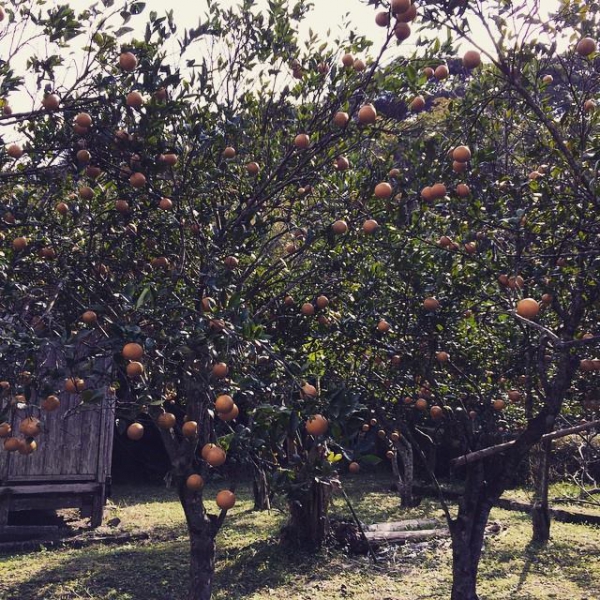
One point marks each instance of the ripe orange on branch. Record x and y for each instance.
(528, 308)
(135, 431)
(224, 403)
(194, 482)
(128, 61)
(317, 425)
(225, 499)
(132, 351)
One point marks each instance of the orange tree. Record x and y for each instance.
(157, 217)
(495, 260)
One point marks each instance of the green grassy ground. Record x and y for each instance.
(251, 563)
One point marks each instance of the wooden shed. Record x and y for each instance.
(71, 467)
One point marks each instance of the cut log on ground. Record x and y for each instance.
(403, 537)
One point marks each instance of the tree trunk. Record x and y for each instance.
(404, 481)
(406, 490)
(540, 513)
(202, 530)
(308, 525)
(261, 489)
(467, 532)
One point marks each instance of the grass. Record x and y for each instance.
(251, 563)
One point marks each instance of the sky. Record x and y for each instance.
(326, 15)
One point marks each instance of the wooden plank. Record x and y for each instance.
(11, 533)
(399, 537)
(404, 525)
(55, 502)
(4, 510)
(33, 479)
(60, 488)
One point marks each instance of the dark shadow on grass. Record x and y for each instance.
(532, 551)
(262, 564)
(153, 572)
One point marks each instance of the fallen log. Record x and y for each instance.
(563, 516)
(405, 525)
(491, 450)
(402, 537)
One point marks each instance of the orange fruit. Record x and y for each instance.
(30, 427)
(382, 19)
(12, 444)
(134, 369)
(359, 65)
(62, 208)
(51, 102)
(340, 227)
(307, 309)
(471, 59)
(50, 403)
(586, 46)
(431, 304)
(83, 157)
(89, 317)
(134, 100)
(166, 421)
(436, 413)
(74, 385)
(461, 154)
(165, 204)
(400, 6)
(20, 243)
(135, 431)
(348, 60)
(231, 415)
(27, 447)
(231, 262)
(128, 61)
(224, 403)
(417, 104)
(370, 226)
(225, 499)
(402, 31)
(322, 302)
(528, 308)
(438, 190)
(216, 456)
(383, 326)
(353, 467)
(302, 141)
(498, 404)
(309, 390)
(132, 351)
(253, 168)
(442, 356)
(14, 151)
(189, 429)
(229, 152)
(514, 395)
(421, 404)
(194, 482)
(317, 425)
(462, 190)
(383, 190)
(367, 115)
(83, 119)
(341, 118)
(137, 180)
(408, 15)
(5, 430)
(441, 72)
(220, 370)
